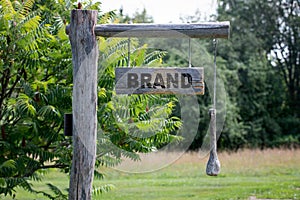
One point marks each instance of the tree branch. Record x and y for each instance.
(18, 78)
(58, 166)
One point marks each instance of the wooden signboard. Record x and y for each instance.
(168, 80)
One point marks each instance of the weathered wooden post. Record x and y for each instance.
(85, 58)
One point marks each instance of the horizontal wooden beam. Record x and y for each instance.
(157, 80)
(192, 30)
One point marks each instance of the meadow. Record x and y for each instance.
(246, 174)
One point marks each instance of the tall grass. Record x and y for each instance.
(246, 174)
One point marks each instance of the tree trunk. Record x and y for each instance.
(85, 57)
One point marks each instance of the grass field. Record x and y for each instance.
(248, 174)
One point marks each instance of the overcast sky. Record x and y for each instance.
(163, 11)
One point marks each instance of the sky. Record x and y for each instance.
(162, 11)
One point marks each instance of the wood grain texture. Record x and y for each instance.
(167, 80)
(192, 30)
(85, 57)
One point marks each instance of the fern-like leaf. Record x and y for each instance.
(102, 189)
(27, 7)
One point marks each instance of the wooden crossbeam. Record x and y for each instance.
(192, 30)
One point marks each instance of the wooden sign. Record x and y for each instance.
(168, 80)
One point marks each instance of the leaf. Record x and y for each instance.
(107, 17)
(62, 33)
(2, 182)
(139, 55)
(98, 175)
(102, 189)
(24, 106)
(7, 9)
(154, 58)
(8, 164)
(56, 190)
(27, 6)
(49, 111)
(32, 23)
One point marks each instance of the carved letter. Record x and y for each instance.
(173, 80)
(159, 81)
(132, 80)
(145, 80)
(185, 76)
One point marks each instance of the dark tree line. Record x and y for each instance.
(264, 49)
(259, 66)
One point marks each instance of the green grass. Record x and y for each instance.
(269, 174)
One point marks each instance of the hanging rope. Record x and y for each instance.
(215, 42)
(128, 54)
(190, 53)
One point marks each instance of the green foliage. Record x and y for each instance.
(33, 96)
(261, 109)
(137, 17)
(233, 132)
(262, 50)
(36, 85)
(134, 123)
(103, 189)
(57, 193)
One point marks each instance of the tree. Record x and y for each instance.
(33, 99)
(36, 86)
(265, 49)
(137, 17)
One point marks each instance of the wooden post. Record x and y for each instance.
(213, 164)
(85, 57)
